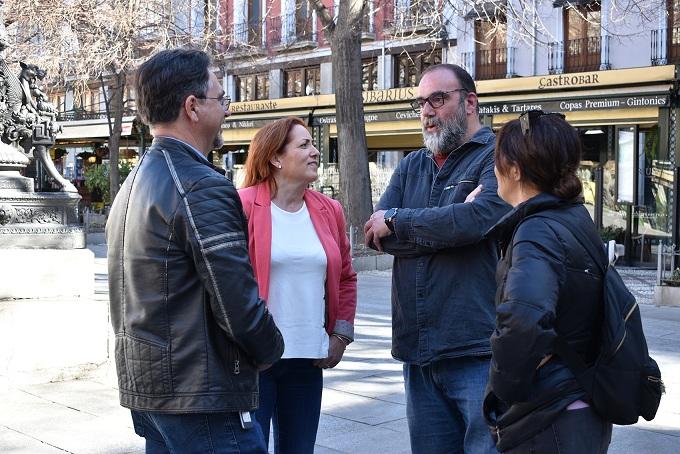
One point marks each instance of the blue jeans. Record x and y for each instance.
(573, 432)
(197, 433)
(290, 395)
(444, 406)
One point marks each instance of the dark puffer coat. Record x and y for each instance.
(548, 285)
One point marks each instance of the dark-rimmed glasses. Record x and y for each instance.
(436, 100)
(530, 116)
(224, 100)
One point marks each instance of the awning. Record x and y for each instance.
(91, 130)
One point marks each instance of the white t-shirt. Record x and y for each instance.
(297, 284)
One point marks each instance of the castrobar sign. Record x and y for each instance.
(568, 80)
(572, 105)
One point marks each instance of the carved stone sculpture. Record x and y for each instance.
(28, 127)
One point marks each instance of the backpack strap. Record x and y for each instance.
(561, 348)
(594, 249)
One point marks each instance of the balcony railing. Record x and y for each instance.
(469, 63)
(290, 28)
(582, 54)
(555, 58)
(401, 18)
(75, 115)
(659, 43)
(674, 45)
(665, 46)
(491, 63)
(246, 33)
(578, 55)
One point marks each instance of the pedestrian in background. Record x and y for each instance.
(548, 287)
(432, 217)
(190, 328)
(301, 255)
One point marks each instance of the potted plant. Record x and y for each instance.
(617, 234)
(668, 293)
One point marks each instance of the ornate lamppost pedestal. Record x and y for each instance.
(51, 327)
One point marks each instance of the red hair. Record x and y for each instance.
(267, 143)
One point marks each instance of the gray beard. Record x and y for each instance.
(450, 136)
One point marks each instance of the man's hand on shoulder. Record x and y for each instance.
(375, 228)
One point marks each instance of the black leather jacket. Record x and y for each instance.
(190, 328)
(547, 285)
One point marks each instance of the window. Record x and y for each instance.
(94, 100)
(491, 49)
(303, 20)
(369, 74)
(673, 31)
(411, 66)
(302, 81)
(252, 86)
(582, 37)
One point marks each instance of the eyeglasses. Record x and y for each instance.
(224, 100)
(531, 116)
(436, 100)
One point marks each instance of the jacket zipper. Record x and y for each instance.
(630, 312)
(237, 361)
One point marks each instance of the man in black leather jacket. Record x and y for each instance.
(191, 331)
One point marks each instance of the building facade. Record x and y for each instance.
(615, 80)
(612, 73)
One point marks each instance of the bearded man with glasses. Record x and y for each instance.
(432, 218)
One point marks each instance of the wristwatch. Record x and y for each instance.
(389, 218)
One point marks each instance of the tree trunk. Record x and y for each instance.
(345, 40)
(116, 111)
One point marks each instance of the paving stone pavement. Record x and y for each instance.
(363, 408)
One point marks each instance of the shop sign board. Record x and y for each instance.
(574, 105)
(564, 105)
(370, 117)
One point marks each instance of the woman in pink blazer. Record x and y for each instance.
(301, 257)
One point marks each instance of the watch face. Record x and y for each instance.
(390, 213)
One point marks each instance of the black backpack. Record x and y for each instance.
(624, 383)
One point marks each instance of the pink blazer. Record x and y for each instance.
(329, 222)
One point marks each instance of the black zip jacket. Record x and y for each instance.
(547, 285)
(190, 328)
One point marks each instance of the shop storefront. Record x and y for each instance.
(628, 128)
(392, 130)
(627, 119)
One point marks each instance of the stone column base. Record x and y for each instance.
(46, 273)
(51, 326)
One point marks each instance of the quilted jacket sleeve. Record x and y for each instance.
(215, 231)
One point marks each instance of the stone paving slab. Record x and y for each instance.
(351, 437)
(363, 408)
(12, 442)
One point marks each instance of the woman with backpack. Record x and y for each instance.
(549, 294)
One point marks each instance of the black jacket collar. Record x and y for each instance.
(175, 145)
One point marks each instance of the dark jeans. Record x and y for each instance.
(444, 406)
(573, 432)
(197, 433)
(290, 395)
